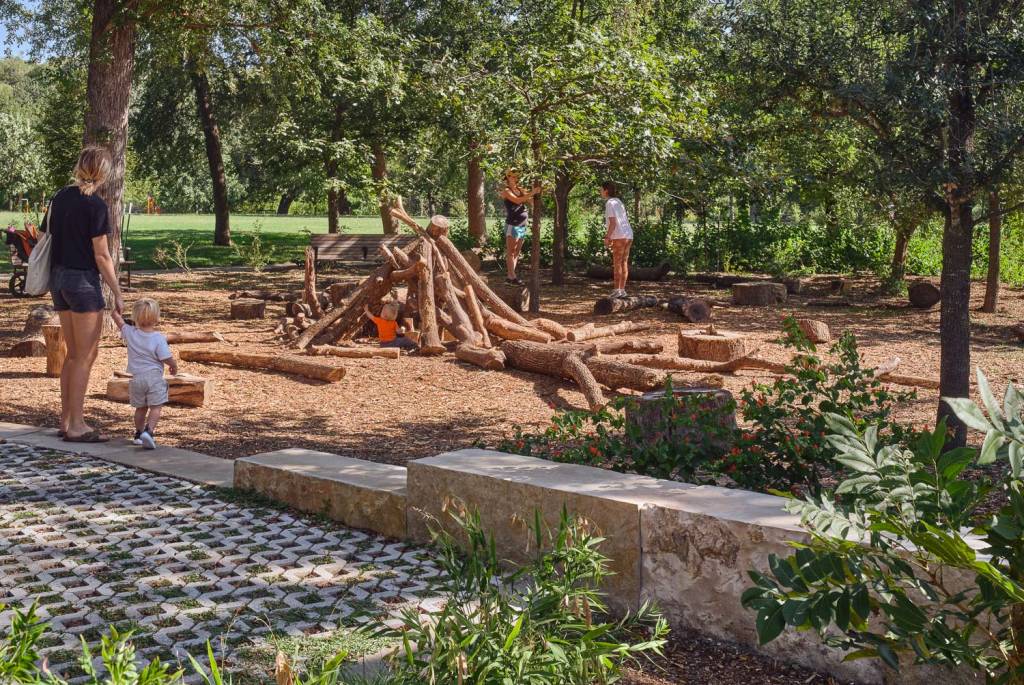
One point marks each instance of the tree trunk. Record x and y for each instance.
(270, 362)
(955, 323)
(285, 203)
(563, 186)
(380, 176)
(331, 167)
(108, 89)
(898, 267)
(995, 232)
(214, 153)
(344, 206)
(475, 205)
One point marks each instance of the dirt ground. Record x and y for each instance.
(396, 410)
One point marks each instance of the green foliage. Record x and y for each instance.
(252, 250)
(675, 436)
(905, 557)
(174, 255)
(785, 447)
(541, 624)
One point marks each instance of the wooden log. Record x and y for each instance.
(923, 295)
(186, 337)
(355, 352)
(517, 297)
(476, 315)
(462, 327)
(490, 358)
(309, 297)
(759, 294)
(38, 317)
(691, 309)
(339, 291)
(636, 273)
(344, 322)
(910, 381)
(285, 364)
(268, 295)
(408, 273)
(573, 367)
(815, 331)
(56, 349)
(630, 346)
(512, 331)
(184, 388)
(590, 331)
(248, 309)
(1018, 331)
(613, 305)
(830, 302)
(795, 285)
(713, 345)
(556, 330)
(430, 339)
(839, 286)
(31, 345)
(616, 374)
(468, 276)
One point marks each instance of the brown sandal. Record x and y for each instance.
(91, 436)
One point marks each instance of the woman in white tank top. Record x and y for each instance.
(618, 237)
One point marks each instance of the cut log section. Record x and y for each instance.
(712, 345)
(615, 374)
(636, 273)
(309, 297)
(56, 349)
(816, 331)
(556, 330)
(590, 331)
(186, 337)
(248, 309)
(31, 345)
(513, 331)
(476, 315)
(38, 317)
(613, 305)
(184, 389)
(691, 309)
(356, 352)
(630, 347)
(268, 295)
(758, 294)
(923, 295)
(517, 297)
(560, 361)
(285, 364)
(337, 292)
(490, 358)
(430, 338)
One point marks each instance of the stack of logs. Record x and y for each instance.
(448, 296)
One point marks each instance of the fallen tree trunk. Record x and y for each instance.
(476, 315)
(691, 309)
(574, 367)
(186, 337)
(509, 330)
(285, 364)
(265, 295)
(636, 273)
(556, 330)
(560, 361)
(613, 305)
(590, 331)
(356, 352)
(490, 358)
(630, 347)
(616, 374)
(184, 389)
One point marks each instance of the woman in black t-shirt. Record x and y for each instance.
(79, 224)
(516, 217)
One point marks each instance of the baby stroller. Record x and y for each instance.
(20, 242)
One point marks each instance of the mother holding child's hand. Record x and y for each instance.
(78, 223)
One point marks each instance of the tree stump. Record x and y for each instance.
(759, 294)
(31, 345)
(248, 309)
(651, 414)
(38, 317)
(923, 295)
(839, 286)
(691, 309)
(515, 296)
(56, 349)
(816, 331)
(716, 346)
(795, 286)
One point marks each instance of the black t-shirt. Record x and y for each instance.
(75, 219)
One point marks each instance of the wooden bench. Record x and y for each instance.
(334, 247)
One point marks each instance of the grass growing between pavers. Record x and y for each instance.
(254, 664)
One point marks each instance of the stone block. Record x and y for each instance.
(358, 493)
(507, 489)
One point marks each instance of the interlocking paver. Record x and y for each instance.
(96, 543)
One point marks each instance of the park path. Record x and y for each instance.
(96, 543)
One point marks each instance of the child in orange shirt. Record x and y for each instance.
(387, 327)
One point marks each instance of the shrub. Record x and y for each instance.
(679, 437)
(904, 556)
(175, 254)
(785, 447)
(540, 624)
(252, 251)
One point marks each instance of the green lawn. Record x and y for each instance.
(286, 236)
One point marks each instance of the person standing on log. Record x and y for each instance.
(79, 226)
(619, 237)
(517, 218)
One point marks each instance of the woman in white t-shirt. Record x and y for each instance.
(619, 237)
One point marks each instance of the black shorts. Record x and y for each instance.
(76, 290)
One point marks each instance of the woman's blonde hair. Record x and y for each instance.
(146, 312)
(92, 169)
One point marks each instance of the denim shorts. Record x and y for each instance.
(76, 290)
(517, 232)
